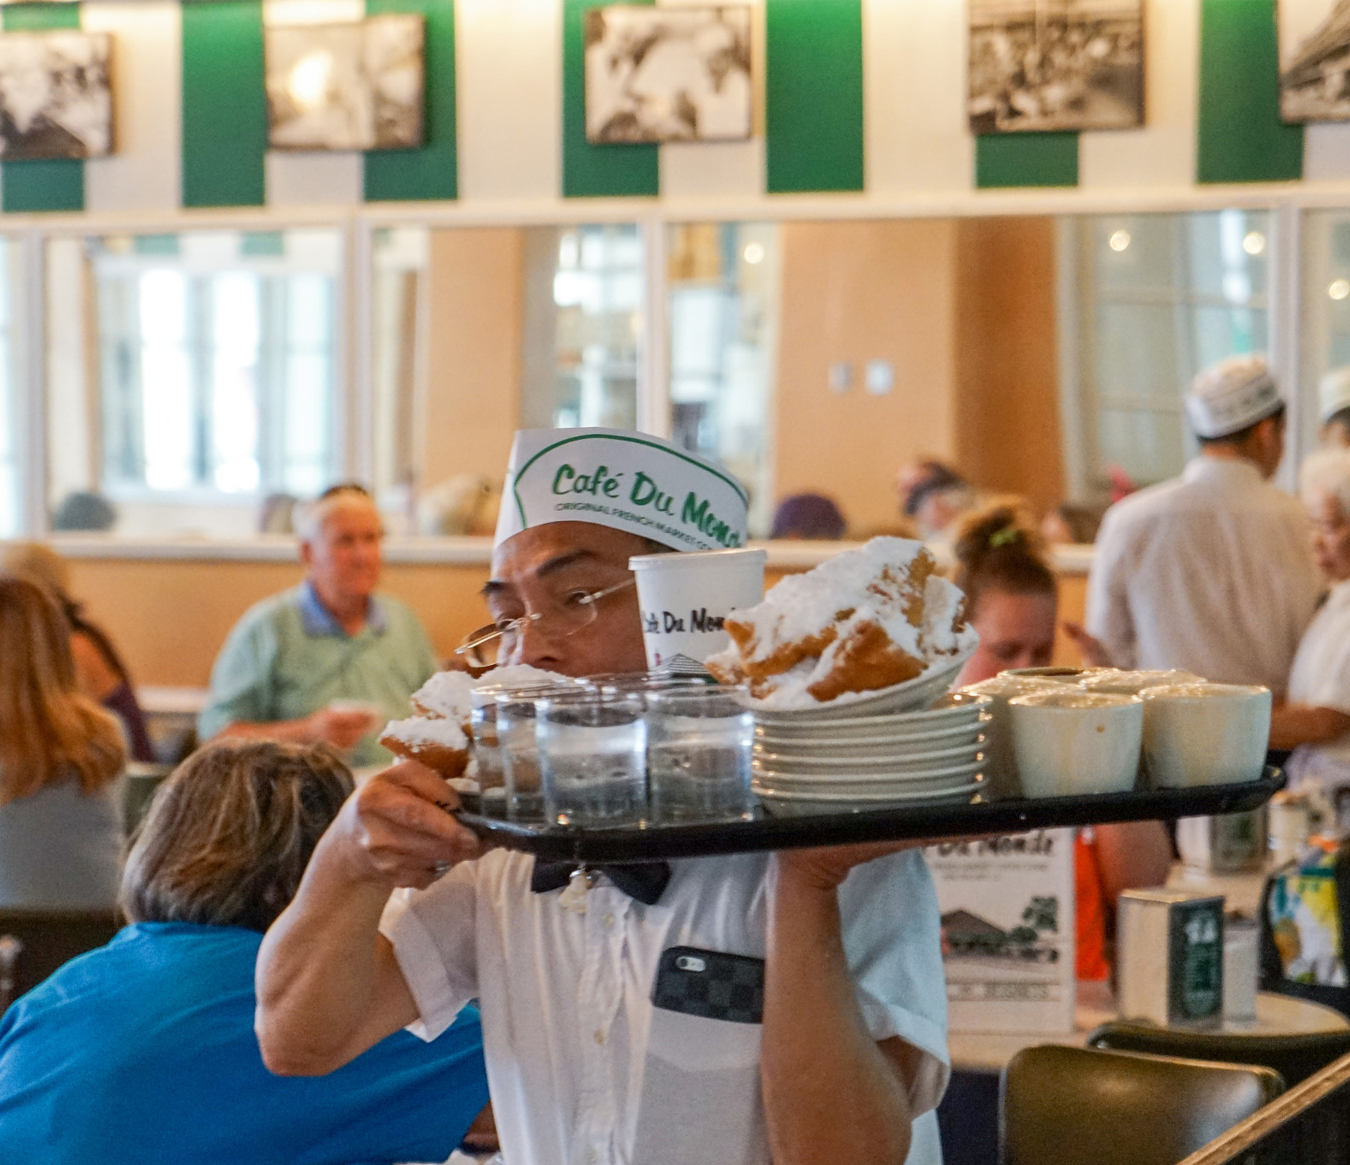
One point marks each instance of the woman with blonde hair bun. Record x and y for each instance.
(60, 755)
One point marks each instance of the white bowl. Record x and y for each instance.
(801, 805)
(866, 745)
(871, 784)
(953, 708)
(1074, 742)
(1205, 734)
(904, 761)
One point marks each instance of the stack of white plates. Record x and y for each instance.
(850, 762)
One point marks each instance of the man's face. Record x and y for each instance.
(538, 569)
(343, 561)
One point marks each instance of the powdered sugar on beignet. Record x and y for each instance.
(863, 620)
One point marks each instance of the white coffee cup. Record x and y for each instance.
(1000, 770)
(684, 599)
(1205, 734)
(1131, 683)
(1069, 742)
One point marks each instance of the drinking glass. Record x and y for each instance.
(699, 744)
(507, 716)
(593, 757)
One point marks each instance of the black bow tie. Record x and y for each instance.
(645, 881)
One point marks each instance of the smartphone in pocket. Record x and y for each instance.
(712, 984)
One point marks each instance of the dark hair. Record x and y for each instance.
(1246, 431)
(808, 516)
(998, 549)
(936, 478)
(1339, 417)
(344, 487)
(229, 834)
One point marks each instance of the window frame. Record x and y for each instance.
(353, 387)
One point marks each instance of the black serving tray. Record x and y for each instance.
(934, 819)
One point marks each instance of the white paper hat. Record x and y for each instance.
(1228, 396)
(623, 480)
(1333, 392)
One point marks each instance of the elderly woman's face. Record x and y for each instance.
(1331, 535)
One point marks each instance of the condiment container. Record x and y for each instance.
(1171, 957)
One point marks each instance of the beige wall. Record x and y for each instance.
(473, 387)
(1007, 390)
(169, 618)
(860, 291)
(965, 311)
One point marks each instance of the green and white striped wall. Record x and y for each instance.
(861, 98)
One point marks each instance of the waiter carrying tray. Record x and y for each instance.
(846, 1058)
(1211, 572)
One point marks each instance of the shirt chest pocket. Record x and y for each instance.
(700, 1089)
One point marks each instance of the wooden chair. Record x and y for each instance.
(1084, 1106)
(34, 943)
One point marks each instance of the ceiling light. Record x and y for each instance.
(1339, 288)
(1254, 242)
(1119, 240)
(753, 253)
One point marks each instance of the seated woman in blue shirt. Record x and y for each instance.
(143, 1050)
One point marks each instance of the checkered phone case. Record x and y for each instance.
(712, 984)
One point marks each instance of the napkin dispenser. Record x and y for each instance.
(1170, 945)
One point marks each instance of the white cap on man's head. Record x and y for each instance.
(1333, 392)
(1227, 397)
(624, 480)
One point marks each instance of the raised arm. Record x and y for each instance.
(328, 984)
(831, 1092)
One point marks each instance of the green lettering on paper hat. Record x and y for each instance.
(623, 480)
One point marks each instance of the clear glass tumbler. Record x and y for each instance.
(699, 744)
(508, 716)
(593, 758)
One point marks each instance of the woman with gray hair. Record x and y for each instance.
(143, 1051)
(1315, 720)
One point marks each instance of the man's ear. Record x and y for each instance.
(306, 553)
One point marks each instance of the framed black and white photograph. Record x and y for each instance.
(1314, 38)
(668, 74)
(55, 95)
(1056, 65)
(356, 86)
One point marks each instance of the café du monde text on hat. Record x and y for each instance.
(623, 480)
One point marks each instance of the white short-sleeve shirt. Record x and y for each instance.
(1211, 572)
(1321, 677)
(584, 1070)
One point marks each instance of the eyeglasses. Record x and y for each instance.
(575, 611)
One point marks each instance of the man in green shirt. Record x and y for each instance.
(328, 660)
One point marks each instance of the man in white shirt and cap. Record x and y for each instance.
(1211, 572)
(834, 1049)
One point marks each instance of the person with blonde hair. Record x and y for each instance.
(60, 755)
(99, 668)
(1315, 719)
(143, 1051)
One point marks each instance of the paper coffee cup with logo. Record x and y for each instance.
(685, 599)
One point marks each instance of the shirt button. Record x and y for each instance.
(591, 1156)
(599, 1037)
(609, 919)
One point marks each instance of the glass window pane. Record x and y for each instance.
(1148, 445)
(1136, 351)
(1165, 295)
(723, 311)
(213, 379)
